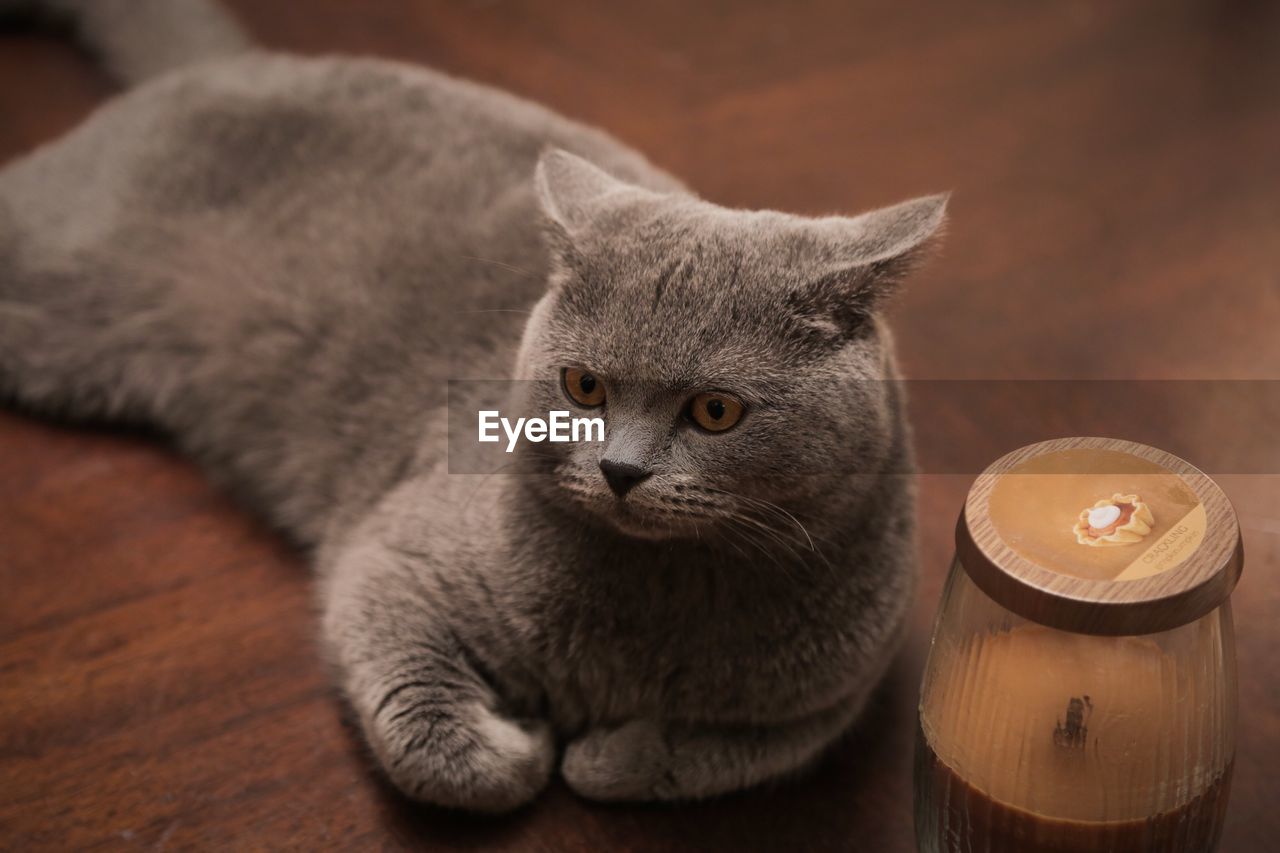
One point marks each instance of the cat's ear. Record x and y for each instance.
(573, 192)
(856, 261)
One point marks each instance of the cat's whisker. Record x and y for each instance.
(772, 507)
(775, 533)
(769, 507)
(770, 534)
(733, 544)
(746, 533)
(484, 481)
(487, 477)
(816, 551)
(501, 264)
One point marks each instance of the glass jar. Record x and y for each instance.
(1080, 693)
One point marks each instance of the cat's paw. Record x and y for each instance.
(467, 758)
(631, 762)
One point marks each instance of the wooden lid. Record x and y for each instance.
(1100, 536)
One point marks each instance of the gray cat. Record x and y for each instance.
(281, 262)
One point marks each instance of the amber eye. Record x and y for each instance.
(715, 412)
(583, 388)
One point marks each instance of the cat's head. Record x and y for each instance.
(737, 358)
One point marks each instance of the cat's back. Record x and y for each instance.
(349, 117)
(333, 164)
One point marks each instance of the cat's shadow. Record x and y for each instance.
(859, 797)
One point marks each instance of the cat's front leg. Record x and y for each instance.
(432, 720)
(644, 760)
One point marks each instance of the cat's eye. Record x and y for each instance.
(714, 411)
(582, 387)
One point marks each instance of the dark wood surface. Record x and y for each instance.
(1116, 215)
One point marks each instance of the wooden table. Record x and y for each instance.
(1117, 214)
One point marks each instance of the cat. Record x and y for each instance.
(282, 262)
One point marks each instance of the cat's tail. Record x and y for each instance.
(139, 39)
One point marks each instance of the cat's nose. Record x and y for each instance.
(621, 476)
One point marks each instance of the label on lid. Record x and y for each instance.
(1097, 514)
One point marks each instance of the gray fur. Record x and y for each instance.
(281, 261)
